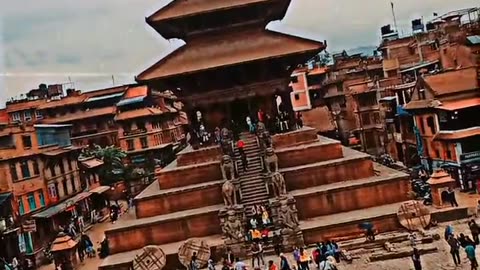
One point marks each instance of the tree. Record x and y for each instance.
(113, 169)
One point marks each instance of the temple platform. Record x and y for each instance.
(189, 156)
(354, 165)
(164, 229)
(154, 201)
(301, 136)
(322, 149)
(174, 175)
(352, 195)
(123, 261)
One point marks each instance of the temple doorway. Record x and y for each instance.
(239, 110)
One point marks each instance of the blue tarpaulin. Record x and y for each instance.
(401, 111)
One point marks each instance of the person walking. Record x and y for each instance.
(277, 243)
(417, 263)
(255, 249)
(454, 249)
(304, 259)
(241, 146)
(244, 162)
(251, 126)
(261, 115)
(470, 250)
(284, 265)
(475, 230)
(239, 265)
(272, 265)
(452, 197)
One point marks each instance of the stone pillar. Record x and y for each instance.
(439, 182)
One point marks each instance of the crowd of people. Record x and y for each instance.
(462, 241)
(325, 256)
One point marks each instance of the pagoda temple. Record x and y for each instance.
(230, 66)
(313, 188)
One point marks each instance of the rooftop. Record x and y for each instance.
(460, 104)
(66, 101)
(227, 50)
(451, 82)
(457, 134)
(70, 117)
(143, 112)
(181, 8)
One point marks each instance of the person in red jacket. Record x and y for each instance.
(272, 266)
(240, 146)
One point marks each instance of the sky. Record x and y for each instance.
(86, 42)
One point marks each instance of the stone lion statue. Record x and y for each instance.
(228, 193)
(227, 167)
(271, 159)
(232, 227)
(278, 183)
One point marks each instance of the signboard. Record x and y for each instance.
(29, 226)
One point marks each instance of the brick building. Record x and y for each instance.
(444, 107)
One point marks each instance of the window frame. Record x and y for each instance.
(25, 146)
(25, 169)
(30, 196)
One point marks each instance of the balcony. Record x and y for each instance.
(135, 132)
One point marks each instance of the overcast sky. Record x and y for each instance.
(90, 40)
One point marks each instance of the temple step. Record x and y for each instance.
(252, 183)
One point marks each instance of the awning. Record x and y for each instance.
(92, 163)
(51, 211)
(457, 134)
(391, 98)
(4, 197)
(92, 99)
(100, 189)
(418, 66)
(129, 101)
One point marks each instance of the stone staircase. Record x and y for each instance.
(252, 184)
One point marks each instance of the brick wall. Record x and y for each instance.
(309, 154)
(335, 172)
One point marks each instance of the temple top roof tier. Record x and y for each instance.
(187, 19)
(230, 49)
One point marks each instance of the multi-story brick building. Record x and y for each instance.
(444, 107)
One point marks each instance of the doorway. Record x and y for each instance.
(239, 110)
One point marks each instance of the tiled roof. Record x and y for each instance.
(422, 104)
(457, 134)
(137, 91)
(450, 82)
(62, 102)
(181, 8)
(92, 163)
(143, 112)
(460, 104)
(24, 105)
(318, 71)
(81, 115)
(106, 91)
(229, 49)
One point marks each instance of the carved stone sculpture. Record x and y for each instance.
(278, 182)
(265, 140)
(226, 141)
(228, 193)
(232, 227)
(260, 128)
(287, 218)
(227, 167)
(271, 158)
